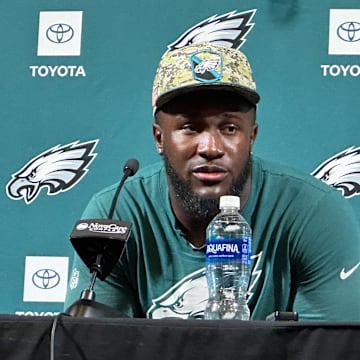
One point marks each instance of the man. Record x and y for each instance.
(306, 240)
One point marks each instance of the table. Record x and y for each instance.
(72, 338)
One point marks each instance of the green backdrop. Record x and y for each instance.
(96, 90)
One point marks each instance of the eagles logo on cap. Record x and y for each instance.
(206, 66)
(201, 66)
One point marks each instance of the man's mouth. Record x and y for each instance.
(207, 173)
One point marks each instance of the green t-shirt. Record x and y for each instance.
(306, 250)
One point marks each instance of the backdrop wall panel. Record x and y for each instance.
(91, 93)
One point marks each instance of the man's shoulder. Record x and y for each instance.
(149, 172)
(284, 174)
(280, 181)
(151, 175)
(278, 168)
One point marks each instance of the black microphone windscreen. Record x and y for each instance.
(131, 166)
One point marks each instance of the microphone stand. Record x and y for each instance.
(86, 306)
(108, 248)
(128, 171)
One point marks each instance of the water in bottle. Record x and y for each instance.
(228, 251)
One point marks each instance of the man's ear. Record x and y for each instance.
(254, 133)
(158, 137)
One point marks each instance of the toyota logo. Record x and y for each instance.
(60, 33)
(349, 31)
(46, 279)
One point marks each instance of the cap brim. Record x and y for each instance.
(250, 95)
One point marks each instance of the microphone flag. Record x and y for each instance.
(102, 239)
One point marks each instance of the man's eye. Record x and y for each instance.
(230, 129)
(189, 128)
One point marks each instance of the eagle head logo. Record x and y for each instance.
(228, 30)
(186, 299)
(342, 171)
(57, 169)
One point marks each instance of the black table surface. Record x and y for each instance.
(64, 337)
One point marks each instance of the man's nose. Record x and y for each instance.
(210, 145)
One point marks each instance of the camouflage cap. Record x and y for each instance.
(203, 66)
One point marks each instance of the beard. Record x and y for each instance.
(199, 208)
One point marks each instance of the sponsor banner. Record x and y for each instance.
(45, 278)
(36, 313)
(344, 39)
(59, 33)
(344, 32)
(62, 71)
(340, 70)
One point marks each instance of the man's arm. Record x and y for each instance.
(328, 254)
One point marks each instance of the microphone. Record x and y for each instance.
(130, 169)
(131, 166)
(100, 243)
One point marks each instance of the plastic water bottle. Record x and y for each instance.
(228, 251)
